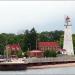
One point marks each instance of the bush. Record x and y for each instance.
(19, 53)
(26, 54)
(50, 53)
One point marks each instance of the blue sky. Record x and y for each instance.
(17, 16)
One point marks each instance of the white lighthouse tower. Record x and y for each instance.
(68, 44)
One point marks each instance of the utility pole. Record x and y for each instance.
(36, 44)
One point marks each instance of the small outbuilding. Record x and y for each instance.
(35, 53)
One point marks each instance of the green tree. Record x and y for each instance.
(74, 42)
(56, 35)
(25, 40)
(33, 38)
(2, 43)
(10, 38)
(50, 36)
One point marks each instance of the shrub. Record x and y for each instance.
(50, 53)
(19, 53)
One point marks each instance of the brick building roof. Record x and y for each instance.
(48, 44)
(14, 47)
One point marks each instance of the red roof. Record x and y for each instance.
(50, 44)
(14, 47)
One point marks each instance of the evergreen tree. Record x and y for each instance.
(33, 38)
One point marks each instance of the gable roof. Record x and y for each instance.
(50, 44)
(14, 47)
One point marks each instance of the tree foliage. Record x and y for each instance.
(51, 36)
(2, 43)
(19, 53)
(27, 40)
(33, 38)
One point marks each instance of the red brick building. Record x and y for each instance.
(13, 48)
(48, 46)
